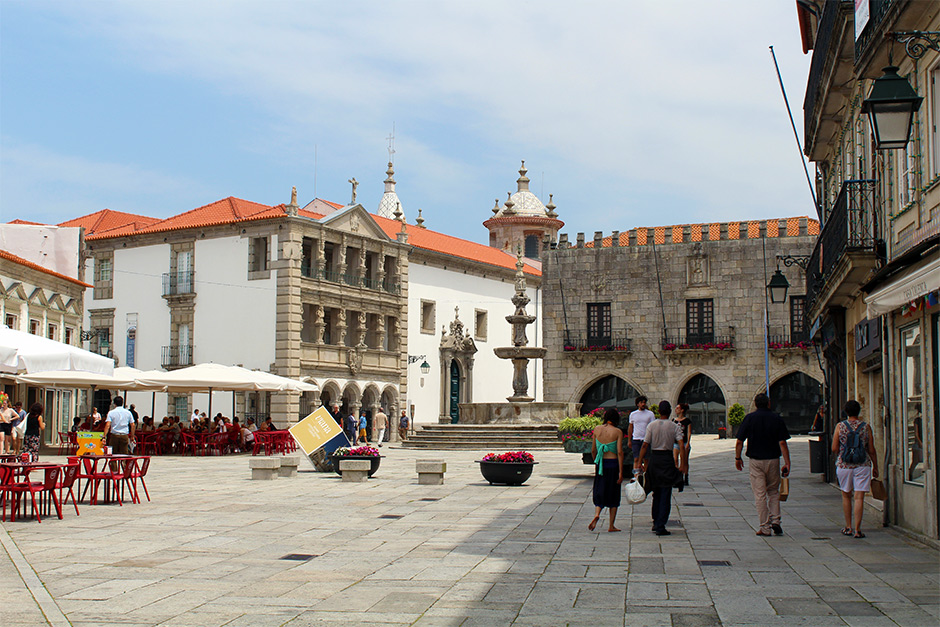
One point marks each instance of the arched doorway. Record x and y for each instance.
(706, 404)
(454, 391)
(610, 391)
(796, 397)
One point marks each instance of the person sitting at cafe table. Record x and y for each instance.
(119, 428)
(76, 424)
(269, 425)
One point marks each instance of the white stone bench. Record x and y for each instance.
(431, 471)
(355, 470)
(288, 467)
(264, 467)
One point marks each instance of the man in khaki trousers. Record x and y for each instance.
(766, 435)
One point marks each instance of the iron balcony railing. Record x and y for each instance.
(824, 31)
(175, 283)
(850, 227)
(870, 35)
(176, 356)
(616, 342)
(683, 340)
(789, 340)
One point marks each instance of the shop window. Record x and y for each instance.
(912, 403)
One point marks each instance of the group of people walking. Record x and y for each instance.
(20, 431)
(661, 448)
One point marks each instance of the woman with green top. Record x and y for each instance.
(607, 450)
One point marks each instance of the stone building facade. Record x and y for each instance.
(677, 313)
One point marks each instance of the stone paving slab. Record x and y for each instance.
(206, 551)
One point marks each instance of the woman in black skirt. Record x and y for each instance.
(607, 450)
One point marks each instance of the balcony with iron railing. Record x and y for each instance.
(789, 341)
(179, 283)
(850, 233)
(683, 340)
(177, 356)
(616, 342)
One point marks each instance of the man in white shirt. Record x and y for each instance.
(381, 423)
(639, 420)
(120, 426)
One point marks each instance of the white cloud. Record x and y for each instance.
(673, 96)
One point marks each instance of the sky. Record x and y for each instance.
(630, 113)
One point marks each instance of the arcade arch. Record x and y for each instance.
(707, 408)
(609, 391)
(795, 397)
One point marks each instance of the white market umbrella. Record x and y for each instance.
(75, 379)
(135, 376)
(25, 352)
(210, 377)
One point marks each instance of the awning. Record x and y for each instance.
(904, 289)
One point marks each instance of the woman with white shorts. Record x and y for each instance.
(854, 478)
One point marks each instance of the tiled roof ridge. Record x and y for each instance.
(105, 213)
(35, 266)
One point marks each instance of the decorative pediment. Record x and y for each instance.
(356, 220)
(15, 289)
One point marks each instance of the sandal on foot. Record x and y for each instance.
(847, 531)
(858, 534)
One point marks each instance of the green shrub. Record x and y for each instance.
(578, 426)
(654, 409)
(736, 414)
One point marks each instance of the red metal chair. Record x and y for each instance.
(66, 481)
(73, 443)
(46, 486)
(63, 442)
(10, 491)
(139, 471)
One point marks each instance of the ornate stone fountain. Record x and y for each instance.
(520, 409)
(520, 353)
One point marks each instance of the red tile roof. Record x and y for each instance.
(106, 224)
(35, 266)
(26, 222)
(112, 223)
(450, 245)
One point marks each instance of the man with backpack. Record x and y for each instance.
(766, 434)
(856, 465)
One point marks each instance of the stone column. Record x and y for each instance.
(340, 339)
(341, 257)
(361, 328)
(320, 257)
(380, 331)
(318, 324)
(285, 406)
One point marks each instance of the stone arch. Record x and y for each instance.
(608, 390)
(352, 399)
(331, 392)
(795, 395)
(708, 405)
(694, 372)
(369, 404)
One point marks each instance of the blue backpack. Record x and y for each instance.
(854, 453)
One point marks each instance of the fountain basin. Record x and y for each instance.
(520, 352)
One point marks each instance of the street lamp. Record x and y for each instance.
(891, 106)
(777, 288)
(425, 367)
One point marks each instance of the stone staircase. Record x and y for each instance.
(495, 438)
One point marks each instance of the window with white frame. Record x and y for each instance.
(52, 331)
(35, 326)
(104, 276)
(10, 320)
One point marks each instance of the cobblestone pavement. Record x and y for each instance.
(208, 551)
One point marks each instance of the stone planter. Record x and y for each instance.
(374, 460)
(508, 473)
(577, 446)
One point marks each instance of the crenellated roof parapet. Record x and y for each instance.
(692, 233)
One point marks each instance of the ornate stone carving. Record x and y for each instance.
(354, 360)
(698, 270)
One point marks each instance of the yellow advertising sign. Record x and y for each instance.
(315, 430)
(90, 443)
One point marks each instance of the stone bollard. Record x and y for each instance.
(264, 467)
(430, 471)
(288, 467)
(355, 470)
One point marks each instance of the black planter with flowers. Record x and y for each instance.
(513, 468)
(367, 453)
